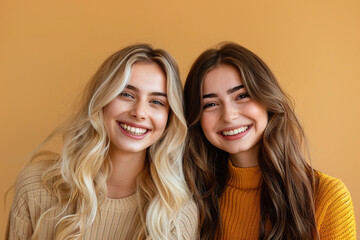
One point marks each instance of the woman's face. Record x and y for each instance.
(138, 116)
(231, 120)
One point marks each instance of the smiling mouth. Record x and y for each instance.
(235, 131)
(133, 130)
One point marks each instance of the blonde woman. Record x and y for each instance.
(119, 175)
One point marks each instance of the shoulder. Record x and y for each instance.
(334, 209)
(29, 181)
(31, 175)
(331, 190)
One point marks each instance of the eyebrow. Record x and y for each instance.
(131, 87)
(234, 89)
(229, 91)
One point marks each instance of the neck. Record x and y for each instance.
(125, 169)
(246, 159)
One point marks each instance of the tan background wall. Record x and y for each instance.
(49, 49)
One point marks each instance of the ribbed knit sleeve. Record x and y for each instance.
(30, 195)
(334, 210)
(19, 225)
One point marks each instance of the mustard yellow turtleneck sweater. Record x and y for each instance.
(240, 207)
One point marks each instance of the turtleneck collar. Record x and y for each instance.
(244, 178)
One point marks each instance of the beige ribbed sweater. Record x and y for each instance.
(240, 207)
(113, 221)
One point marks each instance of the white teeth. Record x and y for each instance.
(133, 130)
(235, 131)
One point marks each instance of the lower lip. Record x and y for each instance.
(236, 136)
(138, 137)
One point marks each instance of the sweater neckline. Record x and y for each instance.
(128, 202)
(244, 178)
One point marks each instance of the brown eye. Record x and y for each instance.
(210, 104)
(242, 96)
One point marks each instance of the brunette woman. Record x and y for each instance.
(246, 159)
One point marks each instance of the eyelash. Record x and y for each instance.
(238, 97)
(157, 102)
(125, 94)
(128, 95)
(211, 104)
(242, 96)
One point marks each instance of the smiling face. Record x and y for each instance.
(137, 118)
(231, 120)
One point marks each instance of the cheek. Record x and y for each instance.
(258, 113)
(161, 119)
(111, 109)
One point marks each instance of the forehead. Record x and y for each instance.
(148, 77)
(220, 79)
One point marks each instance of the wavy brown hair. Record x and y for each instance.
(287, 191)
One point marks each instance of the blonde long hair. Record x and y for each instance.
(77, 176)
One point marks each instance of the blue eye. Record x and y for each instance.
(157, 102)
(125, 94)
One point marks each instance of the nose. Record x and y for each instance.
(139, 110)
(230, 112)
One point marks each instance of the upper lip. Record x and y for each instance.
(235, 127)
(133, 124)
